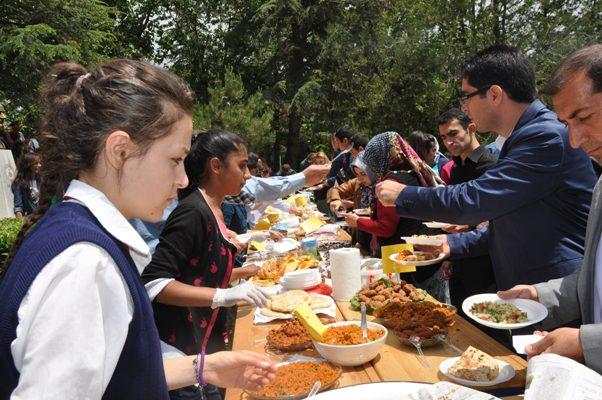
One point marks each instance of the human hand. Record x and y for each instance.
(519, 292)
(562, 341)
(335, 206)
(247, 271)
(296, 211)
(239, 369)
(347, 204)
(388, 192)
(276, 236)
(316, 187)
(447, 270)
(442, 248)
(455, 228)
(247, 292)
(351, 219)
(239, 246)
(315, 174)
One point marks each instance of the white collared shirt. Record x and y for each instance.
(74, 319)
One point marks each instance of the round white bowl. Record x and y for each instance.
(353, 355)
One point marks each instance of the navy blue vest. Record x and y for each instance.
(139, 372)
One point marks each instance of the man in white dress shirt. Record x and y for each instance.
(576, 89)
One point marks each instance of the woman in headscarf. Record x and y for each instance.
(388, 156)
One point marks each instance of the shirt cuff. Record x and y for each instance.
(455, 244)
(297, 180)
(153, 288)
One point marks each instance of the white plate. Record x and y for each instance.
(425, 241)
(361, 211)
(506, 373)
(243, 238)
(372, 391)
(436, 225)
(536, 312)
(371, 263)
(417, 263)
(285, 245)
(331, 310)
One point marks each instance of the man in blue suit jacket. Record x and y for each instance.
(536, 198)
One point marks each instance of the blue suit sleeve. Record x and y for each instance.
(469, 244)
(524, 175)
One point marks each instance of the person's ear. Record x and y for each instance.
(496, 93)
(471, 128)
(117, 148)
(215, 165)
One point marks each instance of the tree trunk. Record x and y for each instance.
(293, 138)
(294, 82)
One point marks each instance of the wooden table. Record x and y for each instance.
(252, 337)
(398, 362)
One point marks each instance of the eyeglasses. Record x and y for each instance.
(465, 97)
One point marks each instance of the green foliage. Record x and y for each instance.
(230, 108)
(9, 228)
(34, 34)
(315, 65)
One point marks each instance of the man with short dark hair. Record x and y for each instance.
(358, 144)
(536, 198)
(576, 90)
(471, 275)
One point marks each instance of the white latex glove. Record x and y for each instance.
(246, 292)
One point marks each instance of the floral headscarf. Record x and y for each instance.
(389, 149)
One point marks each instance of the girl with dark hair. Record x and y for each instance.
(192, 264)
(75, 319)
(389, 157)
(25, 186)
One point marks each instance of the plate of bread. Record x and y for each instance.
(476, 368)
(281, 306)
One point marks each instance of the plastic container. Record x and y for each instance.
(310, 246)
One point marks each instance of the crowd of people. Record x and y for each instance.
(119, 283)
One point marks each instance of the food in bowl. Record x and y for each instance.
(498, 312)
(298, 378)
(292, 335)
(475, 365)
(352, 355)
(347, 335)
(407, 255)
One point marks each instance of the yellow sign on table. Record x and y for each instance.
(310, 321)
(259, 246)
(390, 267)
(311, 224)
(262, 225)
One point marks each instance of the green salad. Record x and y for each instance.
(501, 313)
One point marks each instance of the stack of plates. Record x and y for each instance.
(301, 279)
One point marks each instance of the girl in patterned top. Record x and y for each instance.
(192, 265)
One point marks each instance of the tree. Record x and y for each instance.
(230, 108)
(35, 34)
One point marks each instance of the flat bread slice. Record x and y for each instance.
(475, 365)
(273, 314)
(289, 301)
(317, 302)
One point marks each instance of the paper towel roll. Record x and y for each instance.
(345, 273)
